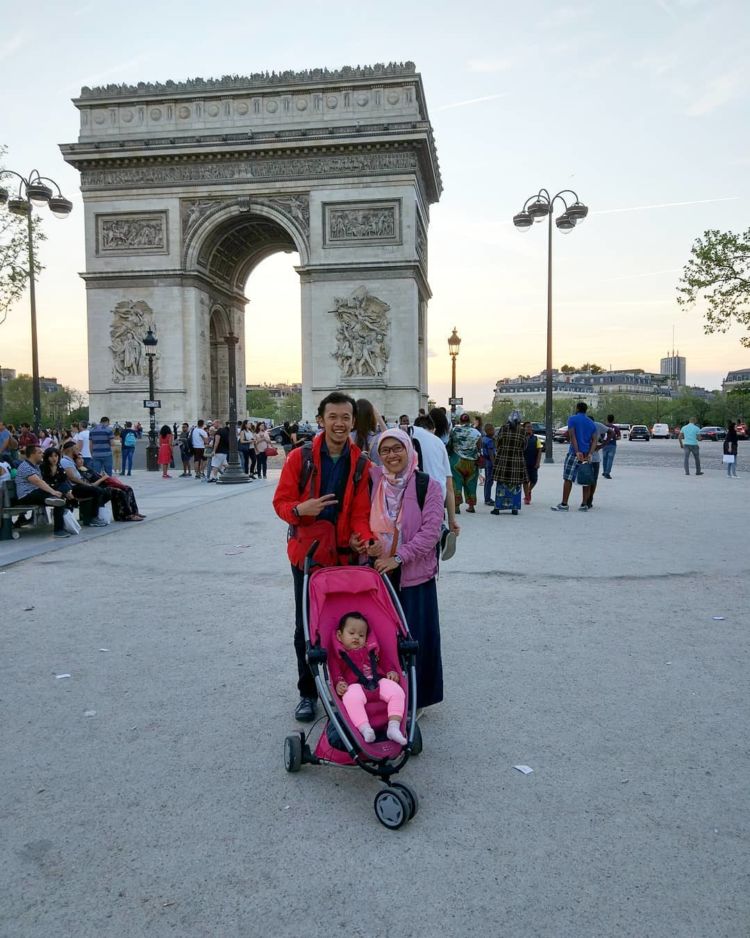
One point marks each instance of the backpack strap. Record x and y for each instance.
(422, 481)
(308, 466)
(363, 461)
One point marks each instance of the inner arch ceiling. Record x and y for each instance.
(235, 247)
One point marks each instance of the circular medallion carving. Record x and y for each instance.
(183, 112)
(126, 116)
(243, 107)
(363, 99)
(301, 104)
(213, 110)
(155, 113)
(100, 117)
(272, 106)
(332, 100)
(393, 97)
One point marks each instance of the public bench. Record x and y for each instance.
(10, 511)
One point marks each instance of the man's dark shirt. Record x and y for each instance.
(221, 441)
(333, 476)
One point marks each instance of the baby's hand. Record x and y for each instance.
(392, 676)
(341, 688)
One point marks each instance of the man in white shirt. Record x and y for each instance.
(82, 439)
(436, 464)
(199, 441)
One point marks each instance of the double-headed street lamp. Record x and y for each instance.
(536, 208)
(152, 450)
(454, 343)
(34, 191)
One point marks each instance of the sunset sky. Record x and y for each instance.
(640, 107)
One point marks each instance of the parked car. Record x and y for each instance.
(660, 431)
(561, 435)
(624, 429)
(712, 434)
(639, 432)
(538, 429)
(741, 429)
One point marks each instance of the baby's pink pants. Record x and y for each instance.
(355, 698)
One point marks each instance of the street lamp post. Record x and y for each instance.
(152, 450)
(233, 473)
(34, 191)
(541, 206)
(454, 343)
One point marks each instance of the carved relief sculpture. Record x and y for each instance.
(132, 234)
(363, 344)
(131, 321)
(350, 224)
(193, 210)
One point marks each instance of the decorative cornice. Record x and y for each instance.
(253, 81)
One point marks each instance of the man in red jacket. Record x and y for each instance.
(323, 496)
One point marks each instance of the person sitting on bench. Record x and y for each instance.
(31, 489)
(79, 487)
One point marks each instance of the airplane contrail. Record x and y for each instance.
(487, 97)
(643, 208)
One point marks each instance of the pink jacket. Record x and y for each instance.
(420, 531)
(339, 670)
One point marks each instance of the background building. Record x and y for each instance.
(736, 378)
(581, 387)
(675, 366)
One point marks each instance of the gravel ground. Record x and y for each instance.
(145, 794)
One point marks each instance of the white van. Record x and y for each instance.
(660, 431)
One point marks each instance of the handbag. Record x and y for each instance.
(271, 451)
(69, 522)
(105, 513)
(585, 474)
(727, 458)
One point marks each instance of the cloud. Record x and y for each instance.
(643, 208)
(489, 65)
(487, 97)
(11, 45)
(718, 92)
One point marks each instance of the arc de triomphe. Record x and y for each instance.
(187, 186)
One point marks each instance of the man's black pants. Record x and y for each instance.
(306, 682)
(38, 498)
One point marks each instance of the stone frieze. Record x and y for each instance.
(351, 224)
(132, 233)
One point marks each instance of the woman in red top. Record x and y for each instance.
(165, 451)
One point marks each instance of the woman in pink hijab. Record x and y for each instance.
(406, 518)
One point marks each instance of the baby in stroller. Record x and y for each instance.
(353, 666)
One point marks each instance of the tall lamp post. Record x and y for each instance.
(34, 191)
(454, 343)
(152, 450)
(536, 208)
(233, 473)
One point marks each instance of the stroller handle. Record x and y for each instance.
(309, 556)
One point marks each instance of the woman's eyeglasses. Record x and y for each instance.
(395, 449)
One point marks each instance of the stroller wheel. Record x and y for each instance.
(411, 797)
(392, 808)
(293, 752)
(416, 747)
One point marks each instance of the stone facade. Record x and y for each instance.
(187, 186)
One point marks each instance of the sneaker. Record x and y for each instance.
(584, 508)
(495, 511)
(559, 507)
(471, 510)
(210, 480)
(97, 523)
(305, 710)
(489, 503)
(699, 473)
(62, 534)
(449, 545)
(607, 476)
(55, 502)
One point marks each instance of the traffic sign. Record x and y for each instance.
(455, 400)
(152, 404)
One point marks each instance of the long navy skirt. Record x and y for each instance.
(420, 607)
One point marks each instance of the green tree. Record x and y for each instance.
(738, 401)
(260, 403)
(59, 407)
(568, 369)
(719, 272)
(14, 247)
(289, 408)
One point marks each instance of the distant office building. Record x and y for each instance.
(736, 378)
(7, 374)
(676, 368)
(49, 385)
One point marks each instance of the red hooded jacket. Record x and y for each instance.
(353, 516)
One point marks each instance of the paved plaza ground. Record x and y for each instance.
(145, 795)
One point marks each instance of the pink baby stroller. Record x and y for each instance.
(331, 592)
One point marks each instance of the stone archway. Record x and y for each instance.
(188, 186)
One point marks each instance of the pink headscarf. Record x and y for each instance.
(389, 493)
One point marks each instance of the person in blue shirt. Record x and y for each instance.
(582, 432)
(689, 443)
(488, 460)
